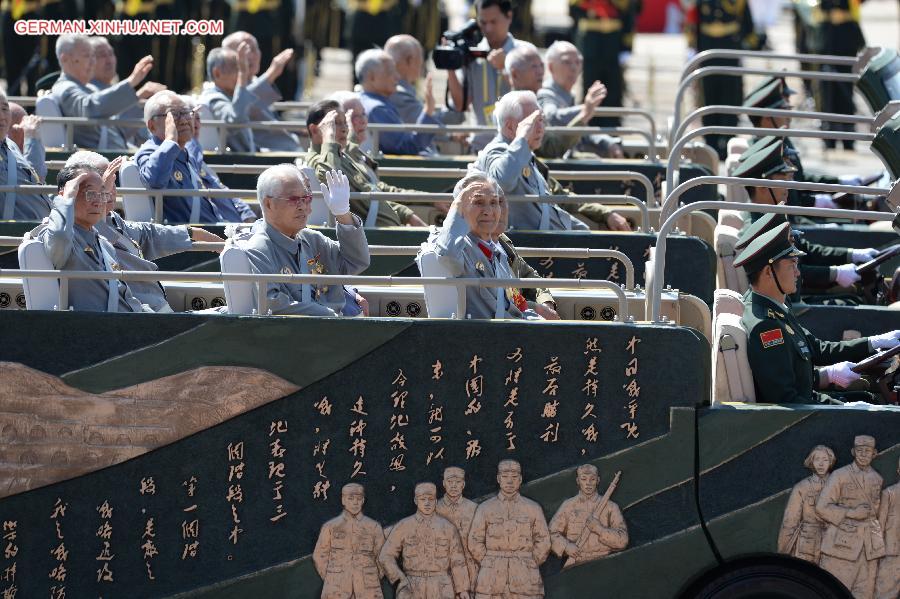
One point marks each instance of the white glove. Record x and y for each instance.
(862, 256)
(885, 340)
(624, 57)
(336, 192)
(823, 200)
(850, 180)
(840, 374)
(846, 275)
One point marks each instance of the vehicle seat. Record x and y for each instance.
(238, 294)
(138, 208)
(40, 293)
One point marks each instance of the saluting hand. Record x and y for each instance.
(171, 128)
(140, 71)
(336, 193)
(276, 68)
(328, 127)
(528, 126)
(109, 175)
(30, 126)
(243, 64)
(70, 191)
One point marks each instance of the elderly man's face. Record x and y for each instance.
(503, 222)
(359, 122)
(383, 80)
(537, 132)
(184, 119)
(79, 62)
(426, 501)
(104, 62)
(225, 76)
(530, 75)
(341, 129)
(566, 68)
(16, 114)
(255, 54)
(480, 207)
(290, 209)
(90, 203)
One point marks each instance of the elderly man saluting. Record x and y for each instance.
(282, 243)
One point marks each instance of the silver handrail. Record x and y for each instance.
(770, 112)
(261, 280)
(740, 72)
(701, 57)
(656, 285)
(249, 195)
(672, 163)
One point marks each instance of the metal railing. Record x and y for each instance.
(740, 72)
(672, 163)
(694, 63)
(249, 195)
(655, 286)
(262, 280)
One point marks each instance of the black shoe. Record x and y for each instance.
(830, 144)
(849, 145)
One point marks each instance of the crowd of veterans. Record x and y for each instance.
(513, 88)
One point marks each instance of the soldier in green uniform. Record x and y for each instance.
(824, 266)
(727, 25)
(782, 354)
(330, 149)
(837, 32)
(604, 32)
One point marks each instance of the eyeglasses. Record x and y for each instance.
(181, 115)
(296, 200)
(98, 196)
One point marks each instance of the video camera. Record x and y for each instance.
(459, 51)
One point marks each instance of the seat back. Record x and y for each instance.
(440, 300)
(732, 218)
(320, 215)
(729, 277)
(53, 135)
(732, 377)
(737, 146)
(40, 294)
(238, 294)
(209, 136)
(138, 208)
(728, 301)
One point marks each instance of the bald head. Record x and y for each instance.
(233, 42)
(408, 56)
(525, 68)
(16, 114)
(564, 62)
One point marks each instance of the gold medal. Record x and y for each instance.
(115, 266)
(479, 266)
(526, 172)
(178, 176)
(286, 270)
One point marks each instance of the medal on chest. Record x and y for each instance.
(317, 268)
(178, 176)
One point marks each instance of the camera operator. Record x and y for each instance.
(485, 77)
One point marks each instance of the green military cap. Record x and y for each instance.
(764, 163)
(787, 91)
(770, 96)
(764, 223)
(764, 142)
(767, 248)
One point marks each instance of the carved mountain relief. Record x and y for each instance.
(50, 431)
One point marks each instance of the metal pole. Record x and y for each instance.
(706, 55)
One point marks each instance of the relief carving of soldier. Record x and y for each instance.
(460, 511)
(887, 583)
(346, 551)
(588, 526)
(801, 528)
(853, 540)
(510, 540)
(434, 565)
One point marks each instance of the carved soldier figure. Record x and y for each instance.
(607, 531)
(460, 511)
(853, 540)
(346, 551)
(801, 528)
(887, 583)
(510, 540)
(434, 565)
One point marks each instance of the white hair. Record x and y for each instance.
(96, 40)
(511, 106)
(272, 180)
(557, 49)
(341, 97)
(368, 61)
(93, 160)
(67, 42)
(473, 176)
(520, 55)
(233, 40)
(219, 58)
(399, 47)
(157, 101)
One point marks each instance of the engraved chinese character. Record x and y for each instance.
(190, 550)
(437, 370)
(592, 346)
(148, 486)
(590, 387)
(550, 409)
(278, 426)
(632, 388)
(236, 451)
(359, 407)
(400, 379)
(553, 367)
(190, 485)
(320, 489)
(590, 433)
(632, 368)
(632, 344)
(580, 272)
(59, 509)
(631, 429)
(515, 356)
(396, 464)
(551, 433)
(105, 511)
(435, 414)
(473, 449)
(324, 406)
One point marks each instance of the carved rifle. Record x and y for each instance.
(595, 513)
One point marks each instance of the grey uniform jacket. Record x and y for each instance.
(133, 135)
(137, 244)
(557, 104)
(511, 164)
(71, 247)
(408, 104)
(458, 251)
(80, 100)
(234, 109)
(16, 169)
(278, 141)
(310, 252)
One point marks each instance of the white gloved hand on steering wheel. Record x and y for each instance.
(885, 340)
(861, 256)
(840, 374)
(845, 275)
